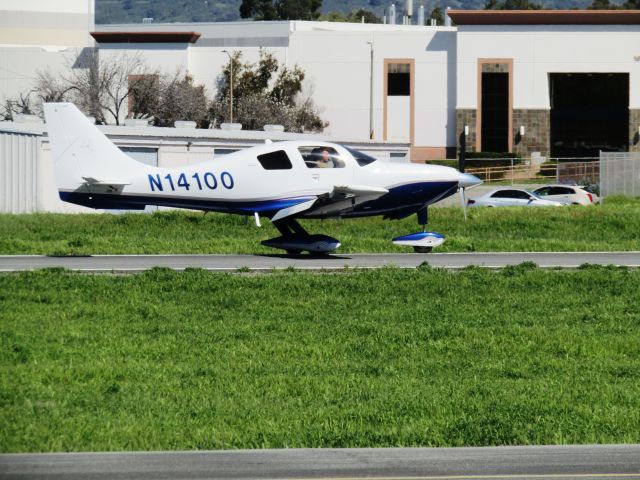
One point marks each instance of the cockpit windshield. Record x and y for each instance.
(362, 158)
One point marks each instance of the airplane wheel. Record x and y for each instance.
(422, 249)
(294, 252)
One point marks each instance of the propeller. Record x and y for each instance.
(464, 203)
(465, 180)
(461, 161)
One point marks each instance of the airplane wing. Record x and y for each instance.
(359, 190)
(287, 212)
(340, 198)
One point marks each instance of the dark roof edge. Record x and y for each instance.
(545, 17)
(145, 37)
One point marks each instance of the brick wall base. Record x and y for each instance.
(634, 123)
(466, 116)
(537, 131)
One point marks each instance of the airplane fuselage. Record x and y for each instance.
(239, 183)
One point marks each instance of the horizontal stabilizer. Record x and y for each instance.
(94, 181)
(287, 212)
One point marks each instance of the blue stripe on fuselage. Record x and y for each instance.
(134, 202)
(407, 199)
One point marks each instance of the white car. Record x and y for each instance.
(573, 195)
(511, 197)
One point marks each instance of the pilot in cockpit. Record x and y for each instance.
(325, 160)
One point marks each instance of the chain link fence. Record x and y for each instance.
(576, 171)
(579, 173)
(620, 174)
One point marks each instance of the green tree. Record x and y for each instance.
(264, 93)
(511, 5)
(603, 5)
(631, 5)
(280, 9)
(369, 16)
(437, 14)
(354, 17)
(334, 17)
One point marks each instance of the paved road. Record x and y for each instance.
(614, 461)
(137, 263)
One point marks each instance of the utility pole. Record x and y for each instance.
(230, 85)
(371, 93)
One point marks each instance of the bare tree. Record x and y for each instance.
(99, 87)
(106, 86)
(50, 88)
(21, 105)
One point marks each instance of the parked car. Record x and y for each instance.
(567, 194)
(511, 197)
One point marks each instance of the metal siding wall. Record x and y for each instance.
(619, 174)
(18, 173)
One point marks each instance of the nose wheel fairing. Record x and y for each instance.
(422, 242)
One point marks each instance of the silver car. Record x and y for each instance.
(511, 197)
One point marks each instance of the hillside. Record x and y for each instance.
(133, 11)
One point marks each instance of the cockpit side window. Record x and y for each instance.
(321, 157)
(277, 160)
(362, 158)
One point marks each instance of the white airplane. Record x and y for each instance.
(282, 181)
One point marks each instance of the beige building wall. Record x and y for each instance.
(40, 35)
(46, 23)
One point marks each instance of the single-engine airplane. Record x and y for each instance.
(282, 181)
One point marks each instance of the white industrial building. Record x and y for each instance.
(562, 83)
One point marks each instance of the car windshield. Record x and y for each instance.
(362, 158)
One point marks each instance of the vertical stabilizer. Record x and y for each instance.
(80, 151)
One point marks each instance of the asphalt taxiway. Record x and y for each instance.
(549, 462)
(139, 263)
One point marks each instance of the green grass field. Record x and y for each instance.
(612, 226)
(197, 360)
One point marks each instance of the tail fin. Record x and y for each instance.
(81, 151)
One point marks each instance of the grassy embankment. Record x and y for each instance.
(612, 226)
(197, 360)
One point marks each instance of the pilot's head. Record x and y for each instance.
(325, 155)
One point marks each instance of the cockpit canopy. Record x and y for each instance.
(321, 157)
(328, 157)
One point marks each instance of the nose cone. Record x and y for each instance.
(466, 180)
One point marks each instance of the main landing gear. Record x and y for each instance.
(295, 239)
(422, 242)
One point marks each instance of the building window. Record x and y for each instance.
(275, 160)
(219, 152)
(146, 155)
(399, 79)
